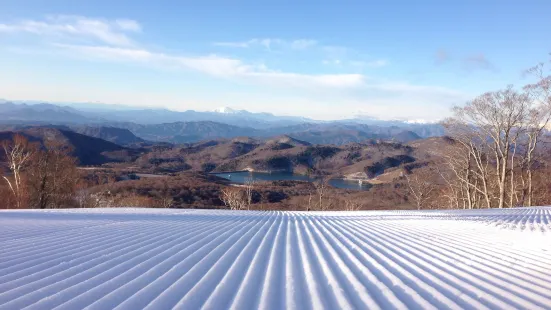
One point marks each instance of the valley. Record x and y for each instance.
(280, 163)
(190, 164)
(285, 171)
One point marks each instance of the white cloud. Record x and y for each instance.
(414, 90)
(219, 67)
(129, 25)
(5, 28)
(78, 28)
(384, 98)
(266, 43)
(302, 44)
(377, 63)
(355, 63)
(232, 44)
(336, 51)
(347, 57)
(335, 62)
(269, 43)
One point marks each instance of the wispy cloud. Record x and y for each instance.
(232, 44)
(337, 52)
(302, 44)
(224, 67)
(129, 25)
(269, 43)
(356, 63)
(478, 62)
(77, 27)
(218, 66)
(334, 62)
(372, 64)
(343, 57)
(408, 88)
(441, 56)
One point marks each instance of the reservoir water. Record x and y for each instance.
(242, 176)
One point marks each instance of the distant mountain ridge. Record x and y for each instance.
(331, 133)
(116, 135)
(95, 112)
(40, 113)
(59, 114)
(192, 126)
(187, 132)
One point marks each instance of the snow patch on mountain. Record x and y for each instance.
(227, 110)
(421, 121)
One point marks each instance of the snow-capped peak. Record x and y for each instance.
(225, 110)
(421, 121)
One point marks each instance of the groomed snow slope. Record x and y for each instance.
(161, 259)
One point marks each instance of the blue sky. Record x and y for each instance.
(321, 59)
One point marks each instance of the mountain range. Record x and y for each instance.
(132, 126)
(98, 113)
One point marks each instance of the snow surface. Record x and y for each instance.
(189, 259)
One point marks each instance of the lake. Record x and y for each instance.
(242, 176)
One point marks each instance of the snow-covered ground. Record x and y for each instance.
(162, 259)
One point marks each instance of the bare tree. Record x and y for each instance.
(133, 201)
(83, 198)
(18, 153)
(466, 169)
(538, 119)
(453, 189)
(249, 187)
(165, 201)
(494, 120)
(321, 190)
(352, 205)
(8, 200)
(52, 176)
(421, 187)
(100, 200)
(233, 198)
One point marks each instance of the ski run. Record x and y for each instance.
(191, 259)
